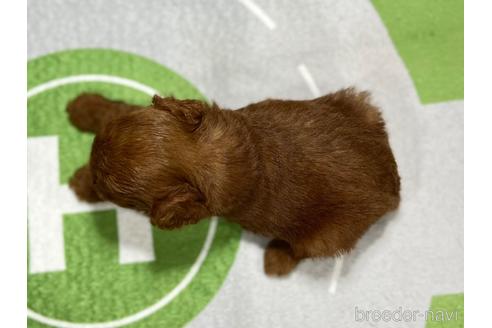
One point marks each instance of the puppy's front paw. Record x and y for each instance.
(81, 184)
(85, 112)
(279, 259)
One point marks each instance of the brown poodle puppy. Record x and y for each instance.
(312, 175)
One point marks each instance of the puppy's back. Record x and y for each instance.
(334, 146)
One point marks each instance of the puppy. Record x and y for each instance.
(311, 175)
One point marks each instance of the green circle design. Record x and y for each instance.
(95, 288)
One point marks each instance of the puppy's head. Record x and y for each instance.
(144, 161)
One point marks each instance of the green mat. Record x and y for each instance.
(95, 287)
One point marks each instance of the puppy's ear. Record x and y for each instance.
(181, 206)
(189, 112)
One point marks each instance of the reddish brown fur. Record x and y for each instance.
(312, 175)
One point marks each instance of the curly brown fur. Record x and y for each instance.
(312, 175)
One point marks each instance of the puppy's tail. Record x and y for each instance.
(352, 101)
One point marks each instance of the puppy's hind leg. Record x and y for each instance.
(89, 112)
(279, 258)
(337, 237)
